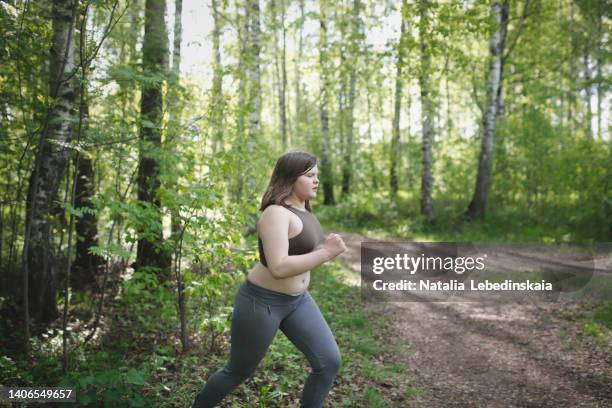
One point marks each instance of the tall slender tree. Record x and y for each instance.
(250, 98)
(86, 264)
(298, 78)
(399, 81)
(178, 37)
(217, 106)
(324, 88)
(40, 265)
(254, 75)
(354, 52)
(154, 63)
(175, 112)
(427, 110)
(277, 11)
(499, 12)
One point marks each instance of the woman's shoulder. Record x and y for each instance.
(275, 208)
(274, 215)
(275, 211)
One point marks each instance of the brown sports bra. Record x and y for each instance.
(303, 243)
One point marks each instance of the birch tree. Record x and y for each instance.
(399, 81)
(427, 111)
(217, 106)
(354, 52)
(324, 86)
(40, 266)
(499, 13)
(298, 79)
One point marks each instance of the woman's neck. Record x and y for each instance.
(299, 204)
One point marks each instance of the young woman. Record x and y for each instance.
(275, 294)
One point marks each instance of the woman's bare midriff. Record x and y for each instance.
(293, 285)
(261, 275)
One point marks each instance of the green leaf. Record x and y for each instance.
(135, 377)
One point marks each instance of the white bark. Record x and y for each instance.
(478, 204)
(427, 117)
(40, 270)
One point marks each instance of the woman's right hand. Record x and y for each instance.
(334, 245)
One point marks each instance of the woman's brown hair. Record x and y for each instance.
(288, 168)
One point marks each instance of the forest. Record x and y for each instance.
(137, 138)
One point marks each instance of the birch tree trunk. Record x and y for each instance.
(243, 36)
(243, 22)
(254, 73)
(395, 130)
(252, 62)
(373, 175)
(283, 99)
(178, 36)
(573, 70)
(589, 92)
(326, 177)
(281, 67)
(218, 102)
(175, 113)
(477, 207)
(600, 51)
(40, 267)
(298, 79)
(427, 114)
(354, 53)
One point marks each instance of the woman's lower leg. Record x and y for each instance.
(220, 384)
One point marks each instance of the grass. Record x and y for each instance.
(597, 324)
(591, 321)
(411, 392)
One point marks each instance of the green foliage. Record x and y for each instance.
(9, 372)
(150, 303)
(592, 322)
(603, 315)
(111, 251)
(267, 394)
(572, 176)
(373, 399)
(122, 73)
(115, 387)
(359, 210)
(411, 392)
(597, 323)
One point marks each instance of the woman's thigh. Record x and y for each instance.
(253, 329)
(307, 329)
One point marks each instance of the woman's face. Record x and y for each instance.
(305, 187)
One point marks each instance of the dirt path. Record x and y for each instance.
(499, 355)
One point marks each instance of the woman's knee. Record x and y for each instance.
(238, 374)
(332, 362)
(336, 361)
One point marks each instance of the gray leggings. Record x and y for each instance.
(258, 314)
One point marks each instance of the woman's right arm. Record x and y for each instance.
(273, 229)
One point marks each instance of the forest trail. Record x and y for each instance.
(492, 355)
